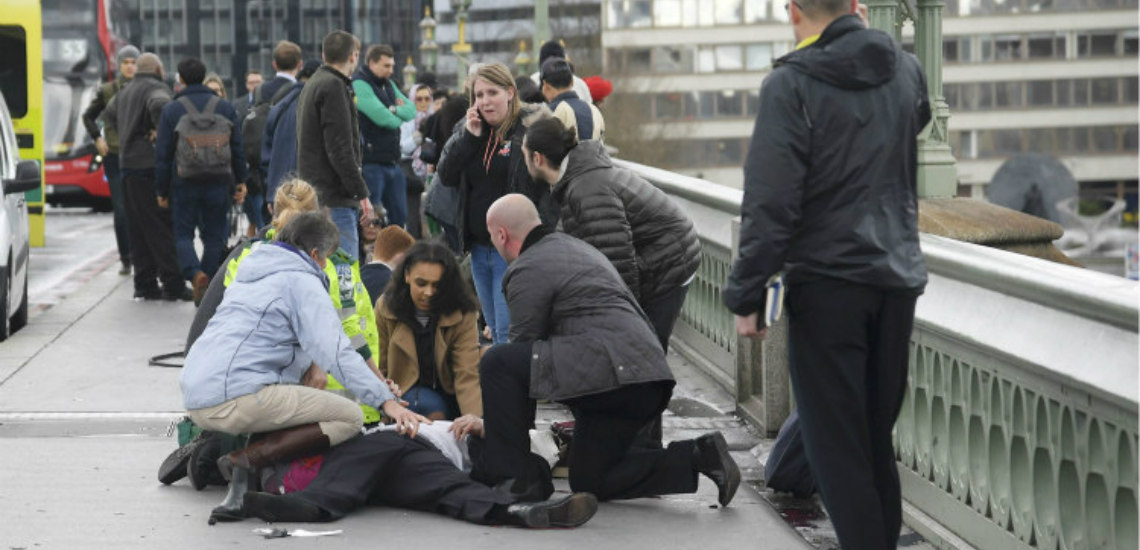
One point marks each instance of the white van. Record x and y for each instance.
(16, 177)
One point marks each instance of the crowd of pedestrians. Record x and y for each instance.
(351, 308)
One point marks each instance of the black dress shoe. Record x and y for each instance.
(201, 467)
(180, 292)
(712, 459)
(569, 511)
(174, 467)
(274, 508)
(148, 294)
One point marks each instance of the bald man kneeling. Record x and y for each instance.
(578, 337)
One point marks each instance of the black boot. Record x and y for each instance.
(569, 511)
(711, 458)
(274, 508)
(231, 508)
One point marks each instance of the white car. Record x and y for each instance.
(16, 177)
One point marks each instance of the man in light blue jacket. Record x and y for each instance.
(257, 368)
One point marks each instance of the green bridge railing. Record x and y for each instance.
(1019, 427)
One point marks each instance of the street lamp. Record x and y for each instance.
(461, 48)
(409, 74)
(428, 48)
(522, 60)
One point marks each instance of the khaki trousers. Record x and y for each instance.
(282, 406)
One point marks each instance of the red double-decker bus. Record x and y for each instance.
(80, 38)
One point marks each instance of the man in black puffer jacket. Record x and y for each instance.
(830, 192)
(650, 241)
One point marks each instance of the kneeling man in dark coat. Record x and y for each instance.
(578, 337)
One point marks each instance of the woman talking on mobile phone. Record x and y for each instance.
(484, 159)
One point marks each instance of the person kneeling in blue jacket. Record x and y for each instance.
(257, 366)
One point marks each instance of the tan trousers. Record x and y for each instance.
(283, 406)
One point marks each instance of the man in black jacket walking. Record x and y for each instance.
(134, 112)
(328, 137)
(830, 191)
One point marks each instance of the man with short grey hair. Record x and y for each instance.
(830, 197)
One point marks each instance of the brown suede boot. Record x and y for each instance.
(287, 444)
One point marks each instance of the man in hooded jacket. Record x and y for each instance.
(830, 198)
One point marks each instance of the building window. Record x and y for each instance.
(755, 11)
(728, 104)
(1046, 46)
(639, 13)
(1008, 95)
(757, 56)
(1007, 47)
(1129, 42)
(1105, 91)
(667, 13)
(729, 12)
(707, 105)
(706, 60)
(752, 103)
(1104, 139)
(1129, 85)
(668, 106)
(1128, 139)
(637, 61)
(673, 59)
(728, 58)
(1040, 93)
(1096, 44)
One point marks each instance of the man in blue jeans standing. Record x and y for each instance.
(199, 201)
(328, 138)
(384, 109)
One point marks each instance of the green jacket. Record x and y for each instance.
(98, 104)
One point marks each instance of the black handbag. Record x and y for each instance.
(429, 151)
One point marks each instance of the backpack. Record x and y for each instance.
(203, 147)
(253, 128)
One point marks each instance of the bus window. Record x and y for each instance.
(14, 69)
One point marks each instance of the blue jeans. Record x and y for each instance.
(422, 400)
(347, 221)
(487, 268)
(252, 208)
(386, 186)
(202, 206)
(118, 206)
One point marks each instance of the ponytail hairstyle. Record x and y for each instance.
(293, 197)
(549, 137)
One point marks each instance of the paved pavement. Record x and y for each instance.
(83, 424)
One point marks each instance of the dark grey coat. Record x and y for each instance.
(589, 334)
(328, 140)
(647, 237)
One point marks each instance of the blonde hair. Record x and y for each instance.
(213, 77)
(499, 75)
(293, 197)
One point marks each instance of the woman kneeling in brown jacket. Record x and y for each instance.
(429, 342)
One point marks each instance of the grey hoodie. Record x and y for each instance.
(275, 319)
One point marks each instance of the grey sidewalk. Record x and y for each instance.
(83, 422)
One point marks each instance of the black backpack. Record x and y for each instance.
(203, 146)
(253, 128)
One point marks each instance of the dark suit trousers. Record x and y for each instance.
(848, 350)
(392, 470)
(151, 234)
(602, 459)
